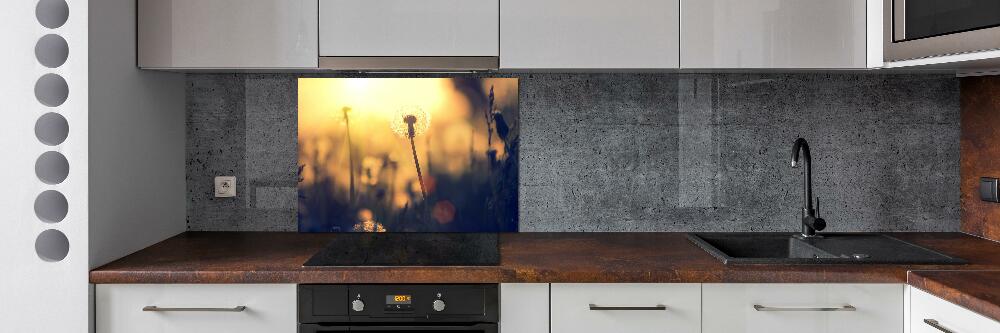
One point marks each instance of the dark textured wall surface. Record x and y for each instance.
(640, 152)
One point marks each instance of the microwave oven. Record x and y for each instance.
(915, 29)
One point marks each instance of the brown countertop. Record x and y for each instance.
(265, 257)
(975, 290)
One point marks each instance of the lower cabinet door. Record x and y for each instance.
(802, 308)
(524, 308)
(930, 314)
(189, 308)
(625, 308)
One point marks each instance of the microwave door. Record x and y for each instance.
(916, 29)
(916, 19)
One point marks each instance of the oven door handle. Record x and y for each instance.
(485, 328)
(311, 328)
(482, 327)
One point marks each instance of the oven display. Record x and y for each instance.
(398, 299)
(398, 303)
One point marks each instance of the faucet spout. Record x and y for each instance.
(801, 145)
(810, 222)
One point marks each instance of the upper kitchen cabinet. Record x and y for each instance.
(589, 34)
(780, 34)
(407, 34)
(221, 34)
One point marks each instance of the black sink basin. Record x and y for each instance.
(837, 248)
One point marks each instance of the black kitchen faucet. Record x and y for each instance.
(810, 221)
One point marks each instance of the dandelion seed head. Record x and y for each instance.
(406, 115)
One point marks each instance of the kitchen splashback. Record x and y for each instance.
(407, 154)
(638, 152)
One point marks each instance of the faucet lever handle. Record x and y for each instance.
(817, 206)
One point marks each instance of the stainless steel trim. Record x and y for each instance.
(154, 308)
(935, 324)
(957, 43)
(658, 307)
(410, 63)
(848, 307)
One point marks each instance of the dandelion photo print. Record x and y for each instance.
(408, 154)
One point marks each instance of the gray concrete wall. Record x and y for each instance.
(640, 152)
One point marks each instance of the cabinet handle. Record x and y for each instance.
(759, 307)
(935, 324)
(657, 307)
(154, 308)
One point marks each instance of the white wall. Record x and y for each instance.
(137, 186)
(38, 295)
(137, 142)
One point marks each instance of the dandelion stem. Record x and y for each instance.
(413, 148)
(416, 163)
(350, 150)
(427, 143)
(489, 121)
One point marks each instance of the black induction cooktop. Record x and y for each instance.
(409, 249)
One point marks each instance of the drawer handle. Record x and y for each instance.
(154, 308)
(935, 324)
(759, 307)
(594, 307)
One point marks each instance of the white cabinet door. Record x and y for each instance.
(524, 308)
(409, 28)
(928, 311)
(227, 34)
(589, 34)
(625, 308)
(773, 34)
(270, 308)
(802, 308)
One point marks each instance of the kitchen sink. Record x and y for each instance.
(831, 248)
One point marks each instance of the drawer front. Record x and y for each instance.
(946, 315)
(269, 308)
(679, 308)
(800, 308)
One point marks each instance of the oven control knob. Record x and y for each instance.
(358, 305)
(438, 305)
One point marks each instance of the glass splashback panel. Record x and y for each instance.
(408, 154)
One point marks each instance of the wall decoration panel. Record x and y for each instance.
(43, 207)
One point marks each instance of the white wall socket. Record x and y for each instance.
(225, 187)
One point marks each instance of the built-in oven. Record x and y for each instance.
(385, 308)
(928, 28)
